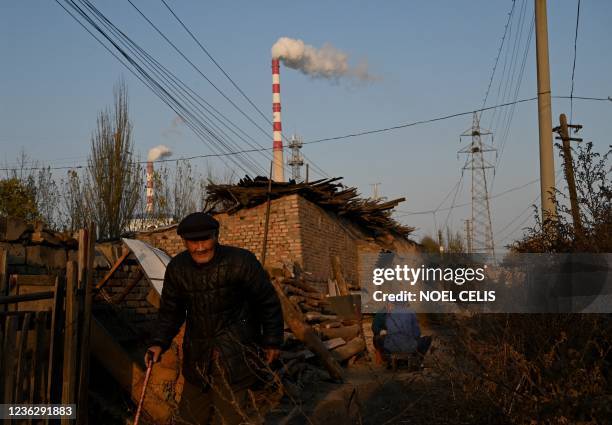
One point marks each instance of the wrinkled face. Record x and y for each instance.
(201, 251)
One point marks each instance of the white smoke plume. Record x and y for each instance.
(327, 62)
(159, 152)
(175, 128)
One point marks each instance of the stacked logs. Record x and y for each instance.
(314, 334)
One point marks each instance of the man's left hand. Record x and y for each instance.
(272, 354)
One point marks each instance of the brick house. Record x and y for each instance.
(303, 229)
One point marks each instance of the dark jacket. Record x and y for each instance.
(229, 306)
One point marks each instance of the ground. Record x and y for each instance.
(373, 394)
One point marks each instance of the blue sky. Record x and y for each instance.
(433, 59)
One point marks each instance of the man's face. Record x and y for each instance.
(201, 251)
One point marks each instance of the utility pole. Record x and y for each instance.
(547, 162)
(568, 166)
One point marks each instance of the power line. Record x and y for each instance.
(501, 46)
(509, 65)
(146, 78)
(318, 169)
(197, 69)
(450, 210)
(412, 124)
(445, 117)
(165, 94)
(231, 80)
(523, 212)
(506, 132)
(574, 64)
(505, 192)
(213, 60)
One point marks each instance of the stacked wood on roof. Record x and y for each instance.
(374, 215)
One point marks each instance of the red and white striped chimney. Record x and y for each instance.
(278, 173)
(149, 187)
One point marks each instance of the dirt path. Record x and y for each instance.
(372, 394)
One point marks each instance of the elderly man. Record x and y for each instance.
(233, 317)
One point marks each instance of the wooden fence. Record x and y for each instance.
(45, 326)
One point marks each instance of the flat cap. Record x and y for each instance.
(198, 226)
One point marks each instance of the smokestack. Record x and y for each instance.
(149, 187)
(278, 174)
(158, 152)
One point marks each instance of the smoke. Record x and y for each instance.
(159, 152)
(175, 128)
(327, 62)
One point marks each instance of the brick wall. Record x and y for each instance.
(134, 309)
(299, 231)
(245, 229)
(323, 234)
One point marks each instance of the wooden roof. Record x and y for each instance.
(374, 215)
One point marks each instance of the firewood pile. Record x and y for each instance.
(374, 215)
(314, 335)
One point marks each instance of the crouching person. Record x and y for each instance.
(234, 323)
(397, 331)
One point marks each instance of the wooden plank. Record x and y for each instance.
(346, 332)
(14, 299)
(113, 269)
(319, 317)
(38, 354)
(34, 280)
(3, 309)
(337, 273)
(306, 334)
(89, 237)
(2, 329)
(22, 368)
(4, 285)
(54, 383)
(10, 358)
(70, 338)
(345, 352)
(39, 305)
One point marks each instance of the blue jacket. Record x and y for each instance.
(403, 330)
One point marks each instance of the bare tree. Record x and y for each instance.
(47, 197)
(74, 209)
(113, 180)
(184, 190)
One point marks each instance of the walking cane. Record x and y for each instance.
(144, 389)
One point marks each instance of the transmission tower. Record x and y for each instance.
(296, 161)
(481, 232)
(468, 235)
